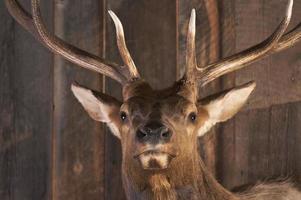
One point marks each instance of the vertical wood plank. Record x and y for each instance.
(251, 139)
(294, 140)
(235, 149)
(78, 142)
(226, 134)
(25, 111)
(150, 30)
(278, 161)
(247, 128)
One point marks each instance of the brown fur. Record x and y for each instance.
(186, 177)
(283, 190)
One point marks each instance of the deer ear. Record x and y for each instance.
(223, 106)
(100, 107)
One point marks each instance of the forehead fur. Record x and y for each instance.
(140, 99)
(141, 94)
(144, 90)
(172, 107)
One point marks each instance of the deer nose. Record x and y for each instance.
(154, 132)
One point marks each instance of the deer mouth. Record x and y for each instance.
(155, 160)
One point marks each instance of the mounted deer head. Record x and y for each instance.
(158, 129)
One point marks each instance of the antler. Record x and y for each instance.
(35, 25)
(191, 62)
(275, 43)
(124, 52)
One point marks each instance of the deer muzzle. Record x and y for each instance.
(153, 132)
(155, 160)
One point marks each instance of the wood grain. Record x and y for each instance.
(278, 76)
(78, 141)
(294, 139)
(259, 143)
(226, 134)
(25, 112)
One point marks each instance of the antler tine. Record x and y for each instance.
(191, 54)
(75, 55)
(272, 44)
(188, 87)
(124, 52)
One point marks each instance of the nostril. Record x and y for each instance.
(141, 134)
(153, 133)
(166, 134)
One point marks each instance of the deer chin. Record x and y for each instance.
(155, 160)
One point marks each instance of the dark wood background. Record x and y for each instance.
(51, 149)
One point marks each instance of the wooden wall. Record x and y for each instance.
(51, 149)
(262, 140)
(25, 112)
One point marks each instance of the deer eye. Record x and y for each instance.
(123, 116)
(192, 117)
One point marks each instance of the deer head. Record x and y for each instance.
(158, 129)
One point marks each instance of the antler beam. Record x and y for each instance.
(35, 25)
(275, 43)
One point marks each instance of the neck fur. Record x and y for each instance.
(189, 181)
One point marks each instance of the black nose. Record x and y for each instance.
(154, 132)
